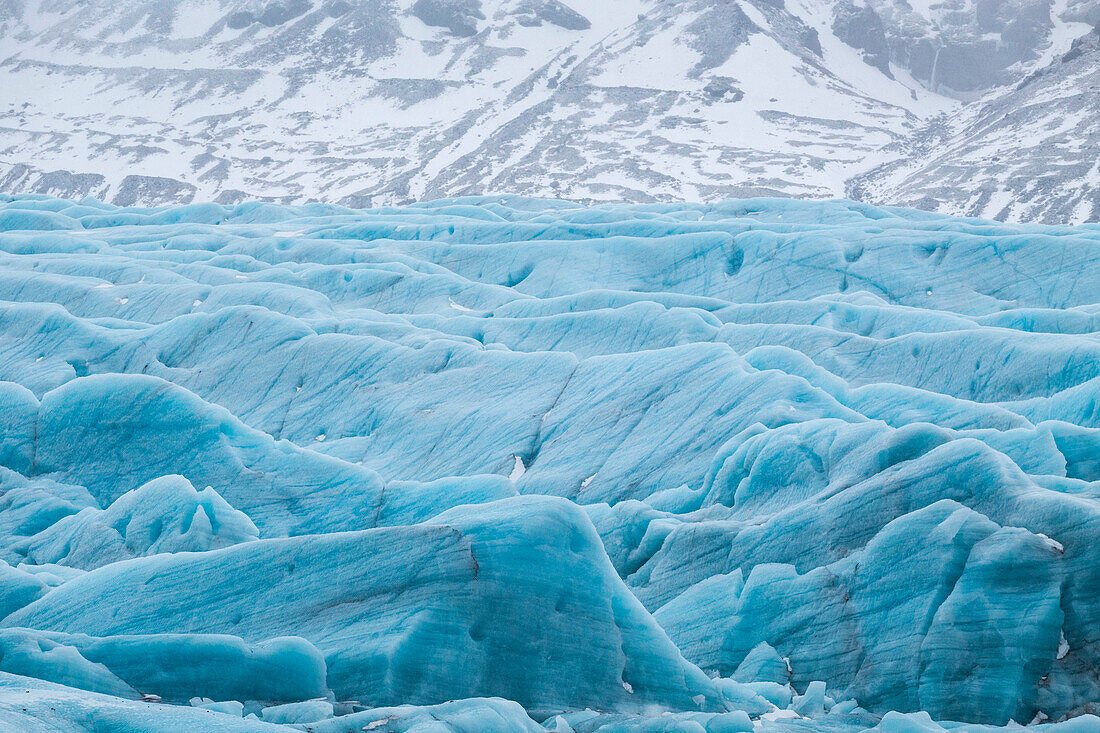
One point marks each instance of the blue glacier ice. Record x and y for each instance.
(504, 464)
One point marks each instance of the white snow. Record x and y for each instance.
(1052, 542)
(518, 469)
(458, 307)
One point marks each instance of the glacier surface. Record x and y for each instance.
(506, 464)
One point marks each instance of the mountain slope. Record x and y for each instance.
(384, 102)
(1028, 154)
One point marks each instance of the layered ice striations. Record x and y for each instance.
(517, 465)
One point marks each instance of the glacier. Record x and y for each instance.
(512, 464)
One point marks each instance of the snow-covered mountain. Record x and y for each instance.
(1030, 153)
(373, 102)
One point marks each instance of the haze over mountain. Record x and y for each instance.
(968, 107)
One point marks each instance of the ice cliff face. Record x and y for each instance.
(380, 102)
(758, 465)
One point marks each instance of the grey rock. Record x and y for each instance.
(144, 190)
(860, 27)
(536, 12)
(458, 16)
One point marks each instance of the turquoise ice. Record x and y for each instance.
(502, 464)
